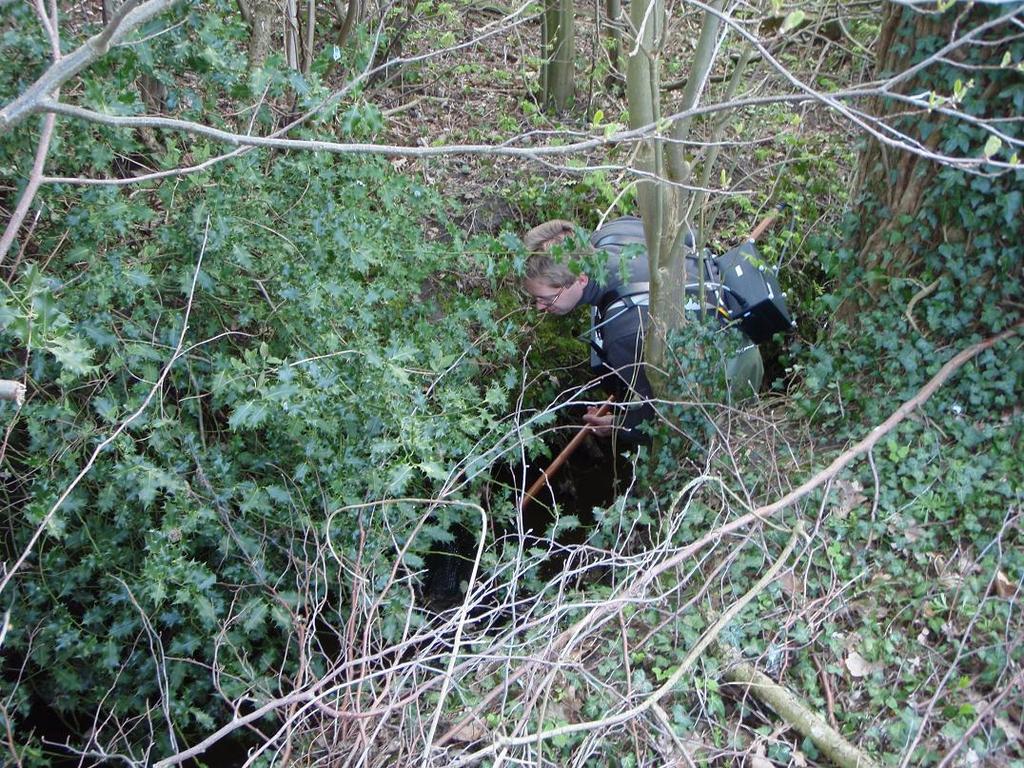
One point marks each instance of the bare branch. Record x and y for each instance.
(673, 680)
(506, 148)
(63, 70)
(34, 180)
(600, 612)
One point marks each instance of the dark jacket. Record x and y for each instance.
(618, 330)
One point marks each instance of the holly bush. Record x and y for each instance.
(332, 356)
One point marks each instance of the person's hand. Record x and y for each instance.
(602, 426)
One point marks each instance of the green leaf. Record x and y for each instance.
(255, 615)
(400, 476)
(993, 145)
(248, 416)
(413, 561)
(433, 470)
(793, 20)
(72, 353)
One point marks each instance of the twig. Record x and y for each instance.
(688, 661)
(928, 290)
(830, 706)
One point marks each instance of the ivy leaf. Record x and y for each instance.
(1011, 207)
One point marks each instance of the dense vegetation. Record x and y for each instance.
(297, 374)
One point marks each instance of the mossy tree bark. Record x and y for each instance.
(896, 179)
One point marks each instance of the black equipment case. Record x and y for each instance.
(753, 296)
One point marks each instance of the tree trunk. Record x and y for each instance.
(291, 33)
(350, 17)
(919, 220)
(559, 50)
(664, 206)
(307, 40)
(260, 35)
(613, 13)
(897, 177)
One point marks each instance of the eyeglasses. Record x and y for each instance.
(546, 302)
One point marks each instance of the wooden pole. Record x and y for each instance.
(766, 222)
(561, 458)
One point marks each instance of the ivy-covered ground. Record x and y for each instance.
(300, 380)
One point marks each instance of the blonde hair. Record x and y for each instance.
(541, 265)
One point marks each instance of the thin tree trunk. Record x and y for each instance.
(291, 34)
(260, 33)
(350, 17)
(613, 12)
(559, 48)
(664, 206)
(709, 161)
(307, 42)
(703, 58)
(669, 304)
(642, 93)
(245, 10)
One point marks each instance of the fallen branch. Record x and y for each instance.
(12, 390)
(794, 711)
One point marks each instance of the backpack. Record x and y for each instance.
(738, 290)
